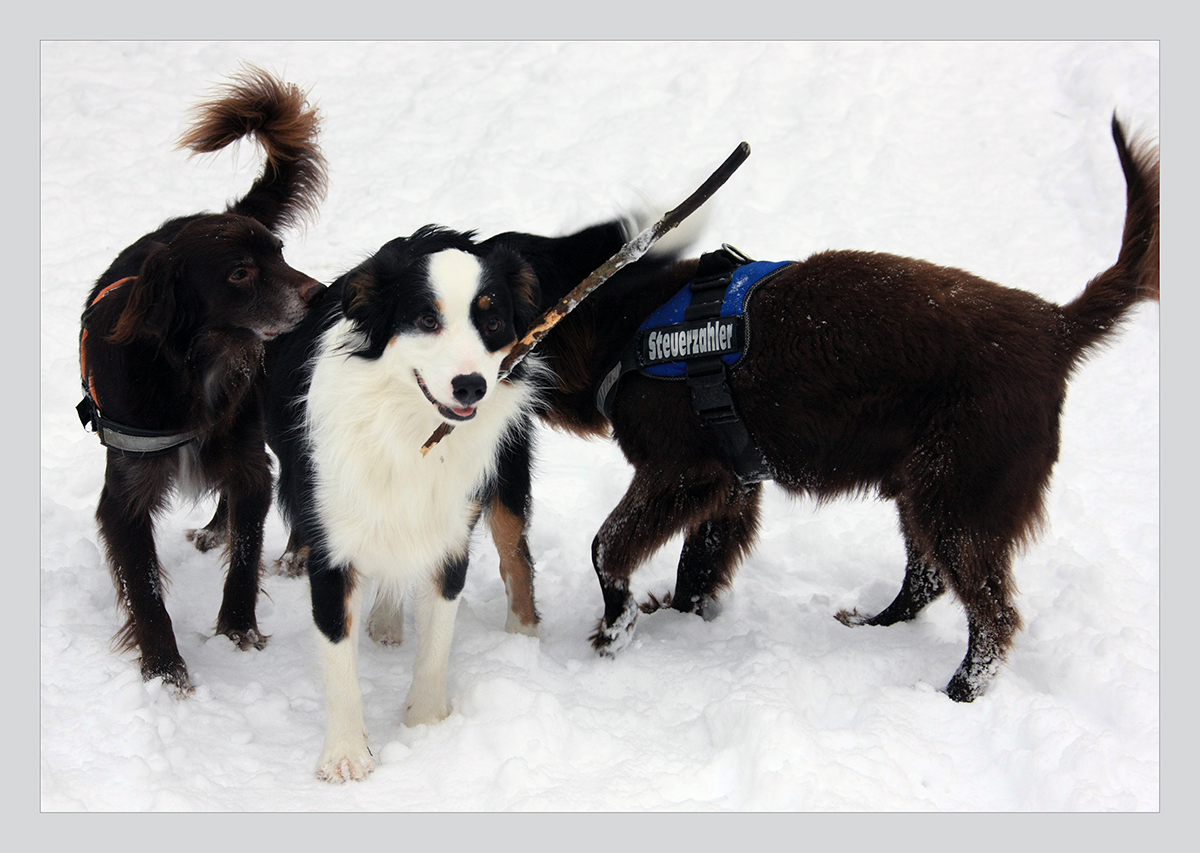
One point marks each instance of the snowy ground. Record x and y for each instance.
(994, 157)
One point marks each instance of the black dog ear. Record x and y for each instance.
(151, 303)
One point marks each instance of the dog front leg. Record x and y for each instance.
(437, 605)
(127, 528)
(336, 598)
(654, 508)
(712, 550)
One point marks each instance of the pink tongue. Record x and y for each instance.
(463, 411)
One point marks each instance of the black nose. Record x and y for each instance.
(469, 389)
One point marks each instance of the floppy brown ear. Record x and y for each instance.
(363, 305)
(358, 295)
(527, 296)
(150, 301)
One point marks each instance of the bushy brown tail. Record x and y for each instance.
(1134, 277)
(279, 116)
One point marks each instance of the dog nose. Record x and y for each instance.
(310, 290)
(468, 389)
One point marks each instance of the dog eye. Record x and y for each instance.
(494, 324)
(429, 322)
(240, 275)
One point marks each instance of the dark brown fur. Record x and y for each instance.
(179, 346)
(866, 373)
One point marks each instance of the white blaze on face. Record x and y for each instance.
(456, 349)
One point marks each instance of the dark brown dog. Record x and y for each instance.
(864, 373)
(171, 353)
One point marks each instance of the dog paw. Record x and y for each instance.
(292, 564)
(611, 639)
(971, 680)
(337, 768)
(655, 603)
(514, 625)
(205, 540)
(385, 633)
(247, 639)
(425, 712)
(173, 673)
(851, 617)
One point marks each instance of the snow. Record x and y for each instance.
(990, 156)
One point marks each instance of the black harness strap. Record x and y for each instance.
(708, 377)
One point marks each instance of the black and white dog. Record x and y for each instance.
(408, 340)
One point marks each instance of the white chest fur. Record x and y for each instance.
(391, 512)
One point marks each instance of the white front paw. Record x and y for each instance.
(420, 711)
(345, 765)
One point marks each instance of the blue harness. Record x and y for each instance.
(697, 336)
(668, 341)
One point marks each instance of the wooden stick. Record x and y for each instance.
(627, 254)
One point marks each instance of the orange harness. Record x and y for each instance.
(89, 386)
(126, 440)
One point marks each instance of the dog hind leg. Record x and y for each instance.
(385, 624)
(507, 516)
(216, 532)
(923, 583)
(516, 568)
(980, 576)
(293, 562)
(248, 503)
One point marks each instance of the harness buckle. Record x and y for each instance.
(710, 392)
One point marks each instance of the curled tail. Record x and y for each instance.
(1134, 277)
(278, 115)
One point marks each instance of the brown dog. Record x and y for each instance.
(863, 373)
(171, 354)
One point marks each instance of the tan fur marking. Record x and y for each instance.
(352, 583)
(507, 534)
(360, 285)
(484, 302)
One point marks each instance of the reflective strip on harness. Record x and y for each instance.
(666, 340)
(721, 336)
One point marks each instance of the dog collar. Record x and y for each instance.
(126, 440)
